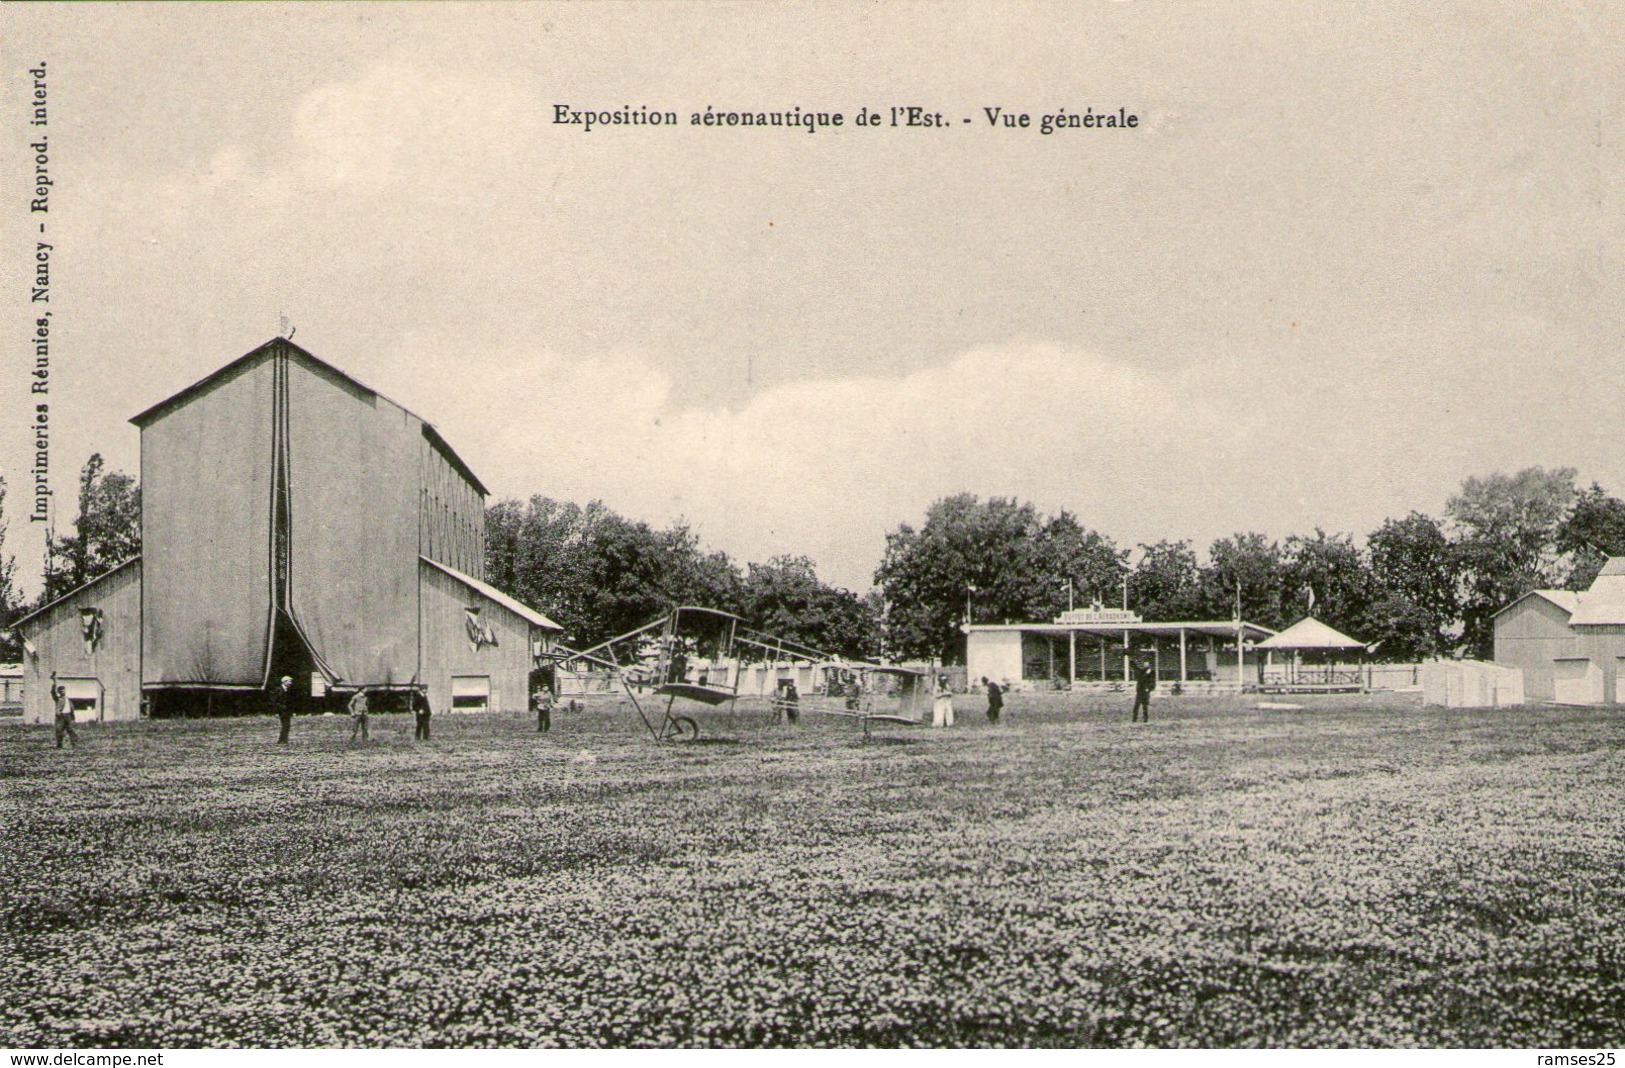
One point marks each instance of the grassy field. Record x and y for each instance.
(1362, 872)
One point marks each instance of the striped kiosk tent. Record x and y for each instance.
(1315, 658)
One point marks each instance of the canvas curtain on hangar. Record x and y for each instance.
(352, 460)
(205, 531)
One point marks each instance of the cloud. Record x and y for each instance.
(827, 467)
(397, 122)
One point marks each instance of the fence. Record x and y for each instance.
(1471, 684)
(1393, 676)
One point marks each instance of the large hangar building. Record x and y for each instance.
(293, 522)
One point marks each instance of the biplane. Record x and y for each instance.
(702, 655)
(877, 693)
(685, 654)
(854, 689)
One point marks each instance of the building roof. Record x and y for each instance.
(1221, 628)
(44, 608)
(490, 592)
(1567, 600)
(1603, 605)
(175, 400)
(1310, 633)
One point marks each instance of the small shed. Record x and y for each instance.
(1569, 646)
(1316, 658)
(89, 640)
(1599, 632)
(478, 645)
(1533, 634)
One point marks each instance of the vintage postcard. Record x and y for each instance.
(812, 525)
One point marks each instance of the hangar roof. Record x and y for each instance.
(164, 407)
(485, 589)
(44, 608)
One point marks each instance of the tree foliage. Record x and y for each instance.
(1082, 566)
(785, 598)
(997, 559)
(1167, 583)
(1506, 543)
(1419, 587)
(1326, 576)
(107, 530)
(1414, 599)
(1245, 578)
(1593, 531)
(10, 598)
(599, 574)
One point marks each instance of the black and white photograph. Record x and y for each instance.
(788, 525)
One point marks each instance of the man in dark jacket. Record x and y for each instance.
(1145, 680)
(995, 699)
(358, 715)
(788, 702)
(280, 700)
(421, 711)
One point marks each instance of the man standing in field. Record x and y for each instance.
(995, 699)
(544, 711)
(421, 713)
(1145, 680)
(64, 714)
(281, 701)
(786, 702)
(942, 704)
(358, 715)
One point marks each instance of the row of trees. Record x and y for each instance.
(599, 574)
(1417, 587)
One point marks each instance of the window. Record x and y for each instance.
(84, 697)
(470, 693)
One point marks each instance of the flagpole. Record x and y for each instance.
(1241, 653)
(1071, 642)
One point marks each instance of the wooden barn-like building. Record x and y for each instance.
(293, 522)
(1570, 646)
(1533, 635)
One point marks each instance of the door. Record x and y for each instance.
(1577, 681)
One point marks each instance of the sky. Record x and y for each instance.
(1350, 256)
